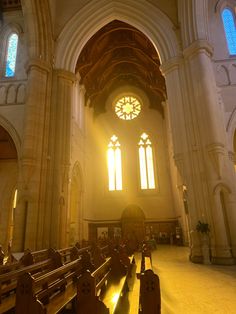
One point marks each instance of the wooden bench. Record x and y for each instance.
(149, 294)
(109, 282)
(52, 291)
(8, 281)
(48, 293)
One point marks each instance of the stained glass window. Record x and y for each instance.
(127, 108)
(230, 30)
(11, 55)
(114, 164)
(146, 163)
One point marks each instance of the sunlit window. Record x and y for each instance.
(146, 163)
(230, 30)
(127, 108)
(114, 164)
(11, 55)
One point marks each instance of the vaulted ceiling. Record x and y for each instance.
(120, 55)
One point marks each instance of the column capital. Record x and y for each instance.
(67, 75)
(39, 64)
(171, 65)
(197, 46)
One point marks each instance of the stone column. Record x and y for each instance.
(173, 71)
(61, 111)
(191, 86)
(32, 183)
(212, 142)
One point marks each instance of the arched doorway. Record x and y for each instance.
(8, 192)
(133, 224)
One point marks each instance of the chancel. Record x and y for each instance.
(117, 156)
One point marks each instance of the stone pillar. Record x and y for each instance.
(33, 161)
(62, 99)
(196, 116)
(211, 134)
(173, 71)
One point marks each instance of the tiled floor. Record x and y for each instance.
(188, 288)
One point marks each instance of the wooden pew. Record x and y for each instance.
(8, 281)
(51, 292)
(150, 294)
(48, 293)
(109, 281)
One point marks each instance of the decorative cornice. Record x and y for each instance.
(198, 46)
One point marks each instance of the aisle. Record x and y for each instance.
(189, 288)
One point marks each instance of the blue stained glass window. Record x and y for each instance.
(230, 30)
(11, 55)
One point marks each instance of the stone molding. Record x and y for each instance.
(198, 46)
(140, 14)
(171, 65)
(67, 75)
(216, 153)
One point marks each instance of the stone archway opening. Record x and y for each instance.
(118, 55)
(8, 188)
(133, 225)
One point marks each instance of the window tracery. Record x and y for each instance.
(146, 164)
(114, 164)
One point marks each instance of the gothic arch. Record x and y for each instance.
(12, 132)
(221, 187)
(9, 178)
(39, 28)
(140, 14)
(193, 15)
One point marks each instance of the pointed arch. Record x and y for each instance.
(221, 187)
(96, 14)
(12, 132)
(38, 29)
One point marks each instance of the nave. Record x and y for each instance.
(193, 288)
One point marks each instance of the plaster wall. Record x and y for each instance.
(157, 204)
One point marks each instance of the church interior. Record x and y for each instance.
(118, 129)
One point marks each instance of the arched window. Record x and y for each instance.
(146, 164)
(230, 30)
(114, 164)
(11, 54)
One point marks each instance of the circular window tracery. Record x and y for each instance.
(127, 108)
